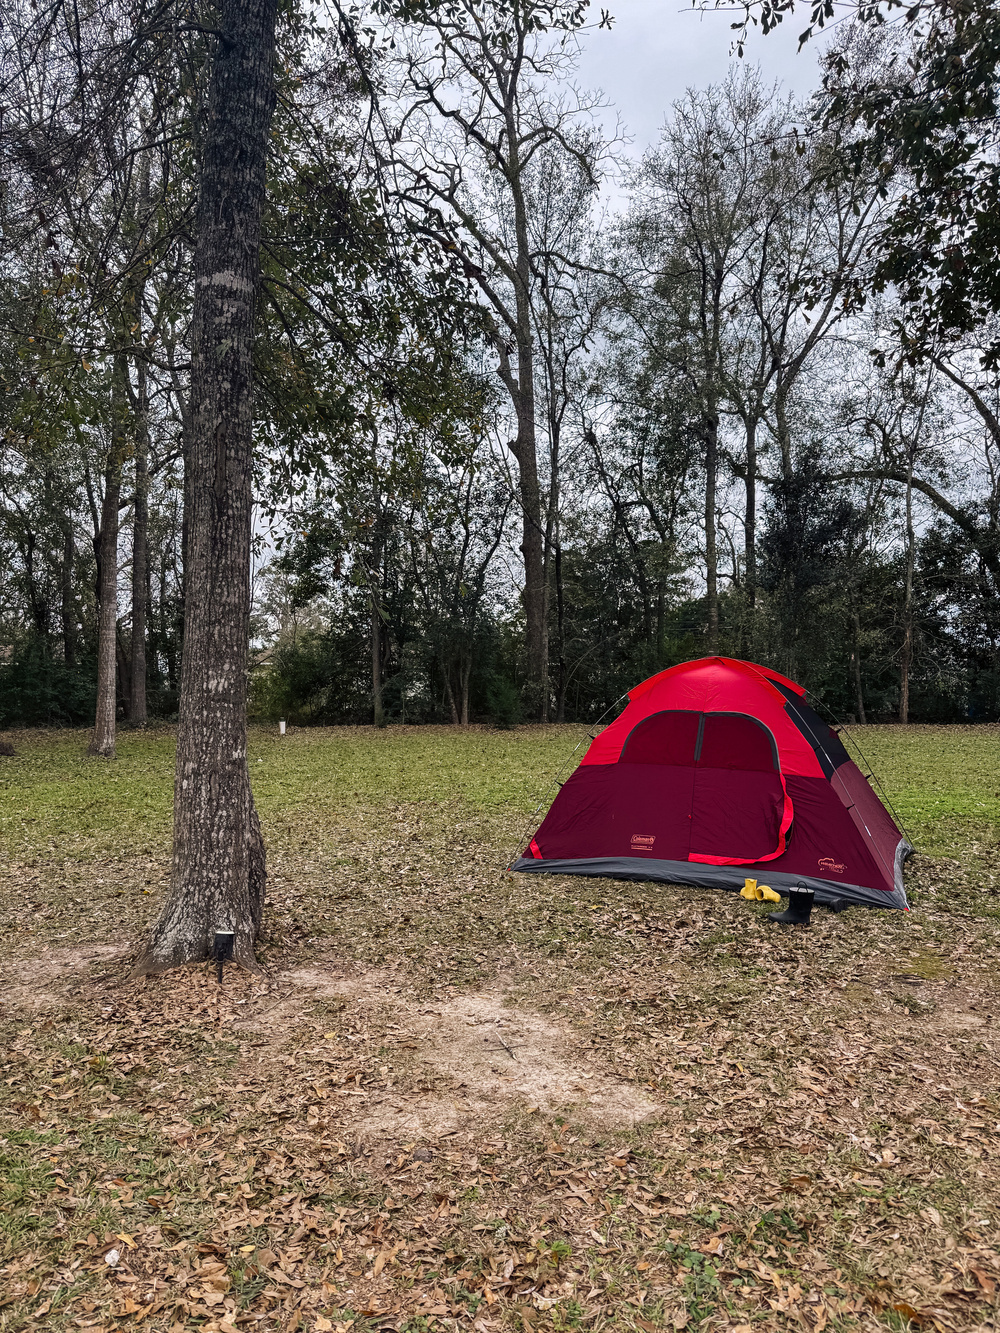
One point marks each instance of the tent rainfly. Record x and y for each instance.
(718, 770)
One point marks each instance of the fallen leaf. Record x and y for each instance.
(908, 1312)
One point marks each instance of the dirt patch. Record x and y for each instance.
(496, 1057)
(456, 1062)
(958, 1009)
(52, 977)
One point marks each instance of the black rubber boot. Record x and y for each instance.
(799, 910)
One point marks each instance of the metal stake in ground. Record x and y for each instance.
(222, 948)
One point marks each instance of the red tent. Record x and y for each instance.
(718, 770)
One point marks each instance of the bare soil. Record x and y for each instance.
(466, 1060)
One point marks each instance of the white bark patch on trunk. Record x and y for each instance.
(235, 282)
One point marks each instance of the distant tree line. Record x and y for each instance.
(512, 452)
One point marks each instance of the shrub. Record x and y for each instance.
(38, 689)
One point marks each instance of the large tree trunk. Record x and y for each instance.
(69, 632)
(711, 543)
(378, 707)
(526, 450)
(906, 659)
(713, 345)
(140, 559)
(102, 742)
(859, 694)
(124, 674)
(561, 631)
(36, 597)
(218, 875)
(377, 635)
(750, 518)
(449, 693)
(782, 430)
(536, 619)
(167, 618)
(466, 674)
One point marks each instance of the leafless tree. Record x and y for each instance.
(484, 96)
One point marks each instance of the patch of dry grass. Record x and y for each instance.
(466, 1099)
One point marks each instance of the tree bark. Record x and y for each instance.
(713, 278)
(449, 692)
(859, 693)
(750, 518)
(561, 630)
(69, 634)
(169, 612)
(102, 742)
(378, 709)
(526, 449)
(36, 599)
(535, 612)
(711, 545)
(140, 559)
(782, 430)
(466, 677)
(218, 874)
(906, 657)
(124, 676)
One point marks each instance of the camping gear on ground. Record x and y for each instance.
(799, 909)
(713, 768)
(761, 893)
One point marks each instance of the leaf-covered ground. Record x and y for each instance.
(460, 1098)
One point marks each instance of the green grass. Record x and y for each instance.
(55, 802)
(943, 781)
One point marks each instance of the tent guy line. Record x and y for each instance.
(844, 730)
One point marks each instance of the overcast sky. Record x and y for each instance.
(656, 50)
